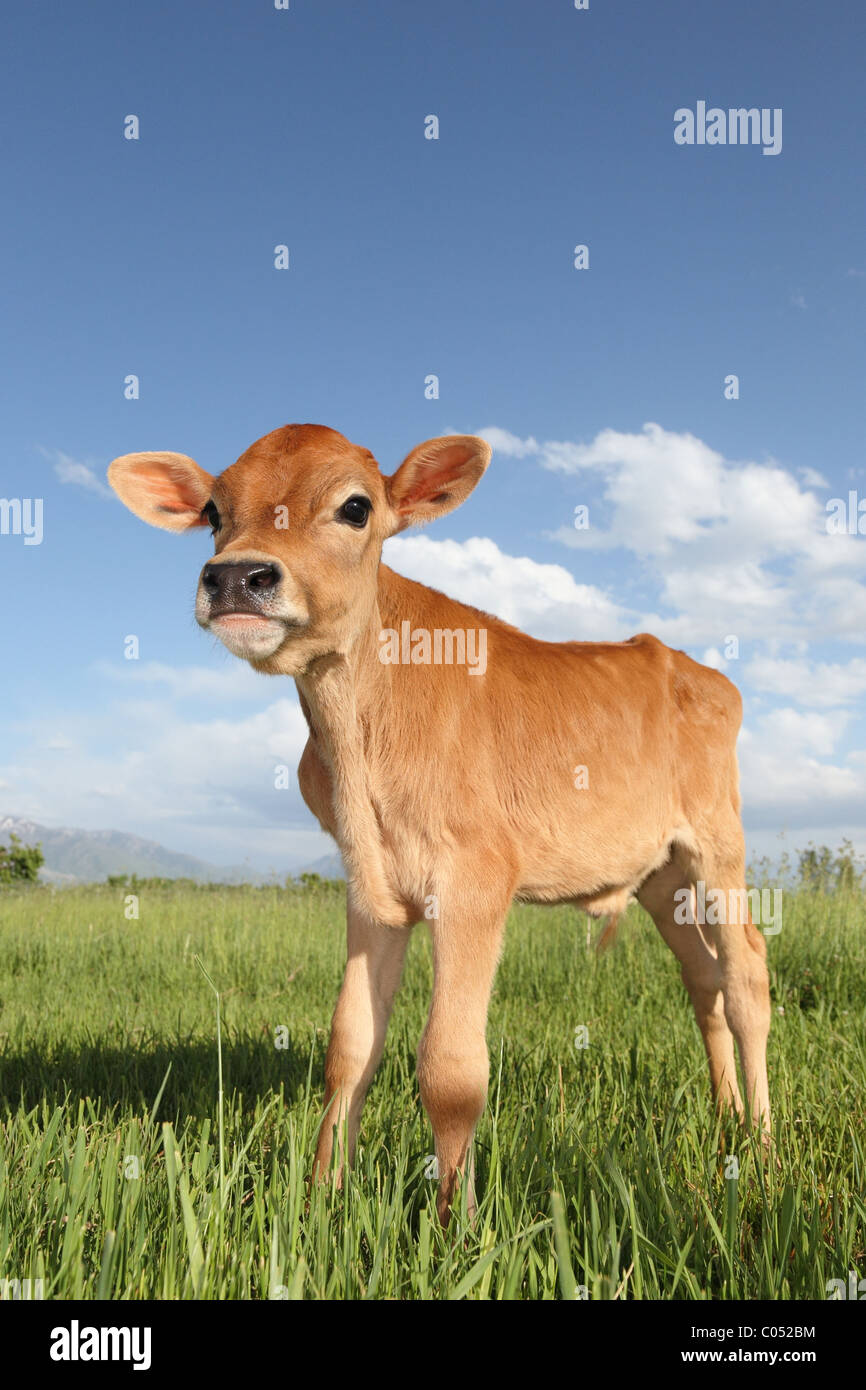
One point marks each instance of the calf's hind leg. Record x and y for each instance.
(742, 954)
(661, 895)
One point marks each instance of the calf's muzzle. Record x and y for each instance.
(237, 587)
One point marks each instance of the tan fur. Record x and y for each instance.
(455, 792)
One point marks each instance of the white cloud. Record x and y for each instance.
(69, 470)
(666, 491)
(710, 604)
(791, 729)
(206, 786)
(812, 478)
(504, 442)
(785, 783)
(738, 545)
(544, 599)
(820, 685)
(236, 680)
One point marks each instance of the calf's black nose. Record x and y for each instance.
(238, 587)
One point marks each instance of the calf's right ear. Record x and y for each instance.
(167, 490)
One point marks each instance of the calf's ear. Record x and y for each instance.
(167, 490)
(435, 478)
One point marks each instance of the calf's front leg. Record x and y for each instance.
(373, 970)
(453, 1064)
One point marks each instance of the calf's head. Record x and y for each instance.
(298, 524)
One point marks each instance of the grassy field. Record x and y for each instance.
(600, 1167)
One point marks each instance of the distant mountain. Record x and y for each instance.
(329, 866)
(88, 856)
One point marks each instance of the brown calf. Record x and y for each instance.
(450, 788)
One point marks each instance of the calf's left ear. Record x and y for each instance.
(167, 490)
(435, 478)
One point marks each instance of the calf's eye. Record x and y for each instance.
(355, 511)
(212, 517)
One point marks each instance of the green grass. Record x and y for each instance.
(602, 1167)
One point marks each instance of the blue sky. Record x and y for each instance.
(409, 257)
